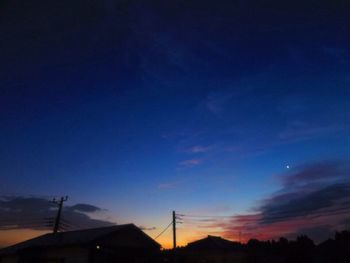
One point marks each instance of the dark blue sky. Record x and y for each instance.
(142, 107)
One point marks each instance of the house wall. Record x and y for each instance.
(66, 255)
(131, 247)
(9, 259)
(127, 255)
(50, 255)
(211, 257)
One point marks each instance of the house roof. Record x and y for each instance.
(213, 242)
(82, 237)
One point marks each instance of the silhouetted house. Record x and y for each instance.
(213, 243)
(121, 243)
(211, 249)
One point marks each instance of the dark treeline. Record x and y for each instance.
(302, 249)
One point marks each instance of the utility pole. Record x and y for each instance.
(174, 230)
(58, 216)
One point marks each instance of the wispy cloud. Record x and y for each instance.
(215, 103)
(144, 228)
(190, 163)
(322, 171)
(211, 209)
(297, 131)
(199, 149)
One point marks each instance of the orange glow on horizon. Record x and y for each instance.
(11, 237)
(235, 230)
(185, 235)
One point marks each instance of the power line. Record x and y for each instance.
(165, 229)
(204, 216)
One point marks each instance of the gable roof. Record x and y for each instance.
(212, 242)
(81, 237)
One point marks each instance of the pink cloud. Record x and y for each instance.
(198, 149)
(190, 162)
(250, 226)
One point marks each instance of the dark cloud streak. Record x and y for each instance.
(314, 199)
(35, 213)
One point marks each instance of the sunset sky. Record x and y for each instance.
(235, 114)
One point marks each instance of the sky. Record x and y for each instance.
(235, 114)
